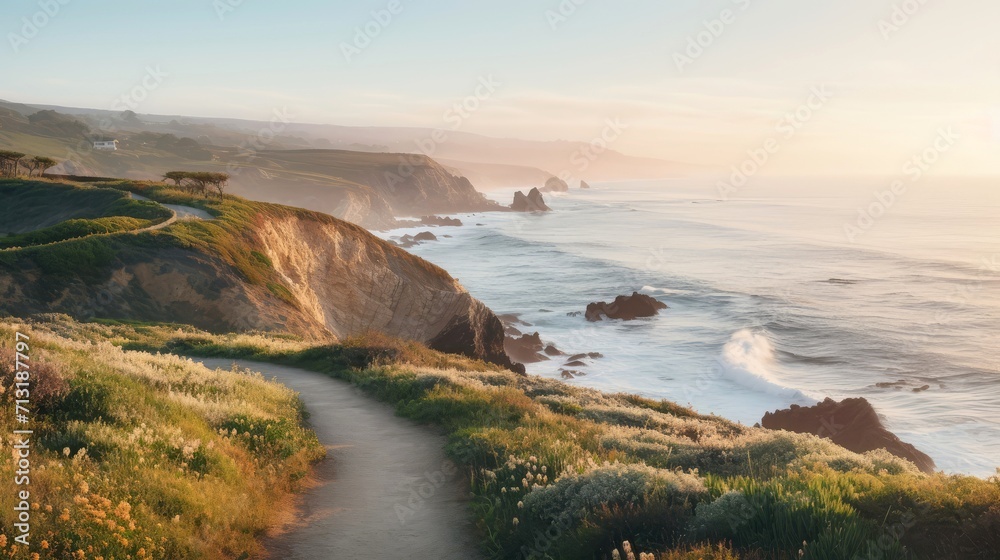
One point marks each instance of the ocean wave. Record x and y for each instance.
(748, 359)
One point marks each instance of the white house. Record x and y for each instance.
(110, 145)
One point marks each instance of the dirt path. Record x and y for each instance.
(386, 488)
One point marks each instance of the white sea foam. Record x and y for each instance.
(748, 359)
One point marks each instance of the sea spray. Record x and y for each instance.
(748, 359)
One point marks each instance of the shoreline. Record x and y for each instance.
(907, 430)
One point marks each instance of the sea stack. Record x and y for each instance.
(555, 184)
(626, 308)
(532, 202)
(584, 185)
(851, 423)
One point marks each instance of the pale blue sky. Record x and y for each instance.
(608, 60)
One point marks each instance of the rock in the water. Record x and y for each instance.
(626, 308)
(526, 349)
(439, 221)
(532, 202)
(529, 348)
(555, 184)
(551, 350)
(513, 319)
(408, 240)
(852, 423)
(584, 185)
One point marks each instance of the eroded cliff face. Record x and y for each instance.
(168, 285)
(351, 282)
(419, 185)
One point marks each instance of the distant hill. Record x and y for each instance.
(494, 176)
(367, 188)
(555, 157)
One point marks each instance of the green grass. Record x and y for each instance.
(144, 456)
(564, 472)
(42, 212)
(72, 229)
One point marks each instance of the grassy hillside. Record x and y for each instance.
(565, 472)
(34, 205)
(143, 456)
(228, 237)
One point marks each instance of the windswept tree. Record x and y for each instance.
(39, 163)
(176, 176)
(219, 182)
(199, 181)
(10, 162)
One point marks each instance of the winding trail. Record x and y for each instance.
(386, 488)
(179, 213)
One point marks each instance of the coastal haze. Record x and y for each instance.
(666, 280)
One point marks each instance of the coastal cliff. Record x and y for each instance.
(369, 189)
(255, 267)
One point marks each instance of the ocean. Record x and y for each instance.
(786, 291)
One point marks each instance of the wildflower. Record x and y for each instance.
(66, 451)
(3, 541)
(516, 521)
(520, 505)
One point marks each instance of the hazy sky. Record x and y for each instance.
(890, 84)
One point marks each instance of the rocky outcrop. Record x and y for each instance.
(532, 202)
(626, 308)
(584, 185)
(852, 424)
(439, 221)
(408, 240)
(526, 349)
(555, 184)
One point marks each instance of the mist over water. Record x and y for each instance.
(771, 303)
